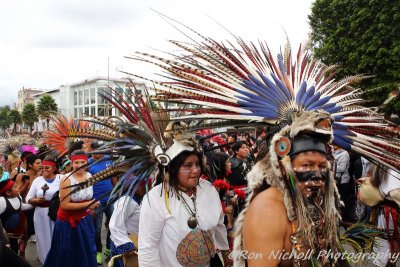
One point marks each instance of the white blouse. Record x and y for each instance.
(124, 220)
(162, 232)
(82, 195)
(36, 191)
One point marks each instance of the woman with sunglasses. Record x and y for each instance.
(42, 190)
(73, 243)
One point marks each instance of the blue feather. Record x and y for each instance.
(338, 117)
(269, 94)
(254, 102)
(324, 107)
(301, 92)
(344, 143)
(273, 88)
(281, 65)
(309, 93)
(319, 103)
(281, 86)
(334, 109)
(312, 99)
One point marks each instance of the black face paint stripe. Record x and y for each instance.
(311, 176)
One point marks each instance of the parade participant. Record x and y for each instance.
(10, 211)
(7, 256)
(240, 164)
(190, 228)
(22, 165)
(24, 181)
(73, 243)
(42, 190)
(384, 215)
(101, 190)
(124, 228)
(242, 84)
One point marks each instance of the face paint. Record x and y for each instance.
(312, 175)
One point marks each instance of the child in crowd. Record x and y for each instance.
(10, 211)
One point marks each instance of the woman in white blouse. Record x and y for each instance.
(73, 243)
(182, 226)
(41, 191)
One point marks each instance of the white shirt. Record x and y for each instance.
(124, 220)
(162, 232)
(391, 182)
(81, 195)
(15, 203)
(36, 191)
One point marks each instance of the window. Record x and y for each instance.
(100, 110)
(81, 112)
(100, 100)
(80, 97)
(128, 94)
(92, 95)
(86, 112)
(75, 112)
(86, 94)
(93, 110)
(120, 91)
(75, 98)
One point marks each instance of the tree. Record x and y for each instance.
(361, 36)
(15, 118)
(29, 115)
(47, 107)
(4, 118)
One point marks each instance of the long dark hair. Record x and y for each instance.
(175, 164)
(30, 160)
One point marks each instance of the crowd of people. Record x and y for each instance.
(272, 187)
(72, 238)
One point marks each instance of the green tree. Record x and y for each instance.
(47, 107)
(361, 36)
(15, 118)
(29, 115)
(4, 118)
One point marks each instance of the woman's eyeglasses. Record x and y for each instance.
(45, 167)
(187, 167)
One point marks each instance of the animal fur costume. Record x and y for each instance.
(273, 171)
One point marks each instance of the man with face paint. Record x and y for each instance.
(293, 185)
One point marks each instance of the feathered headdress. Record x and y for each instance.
(139, 143)
(242, 83)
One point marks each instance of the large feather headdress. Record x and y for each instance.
(242, 82)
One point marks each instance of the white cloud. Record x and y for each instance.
(45, 43)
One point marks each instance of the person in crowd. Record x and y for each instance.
(181, 220)
(22, 165)
(7, 256)
(294, 186)
(124, 228)
(24, 181)
(73, 243)
(240, 165)
(101, 191)
(13, 160)
(10, 211)
(344, 183)
(384, 215)
(40, 193)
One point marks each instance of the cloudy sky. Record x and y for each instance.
(46, 43)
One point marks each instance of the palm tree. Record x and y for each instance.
(47, 107)
(15, 118)
(29, 115)
(4, 118)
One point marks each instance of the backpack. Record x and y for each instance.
(54, 205)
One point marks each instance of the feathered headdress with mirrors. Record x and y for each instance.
(241, 83)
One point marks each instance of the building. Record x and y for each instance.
(82, 98)
(25, 96)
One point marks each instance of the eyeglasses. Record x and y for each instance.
(188, 167)
(45, 167)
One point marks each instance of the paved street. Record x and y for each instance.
(31, 255)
